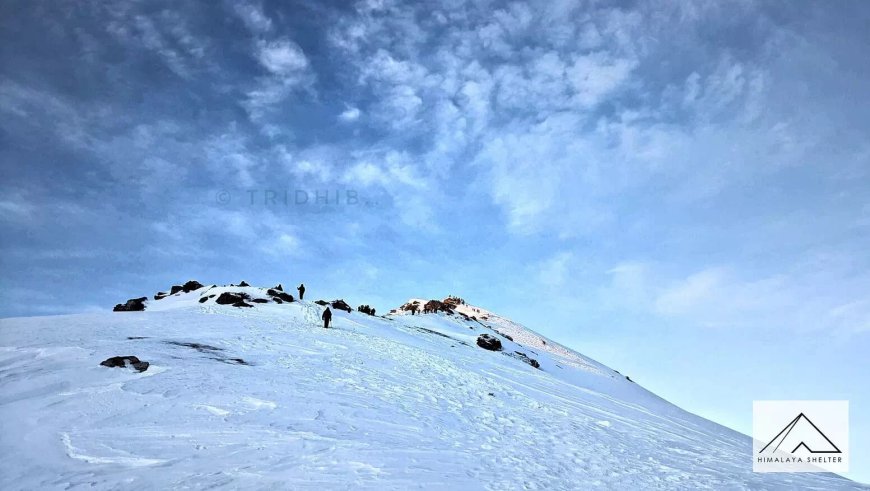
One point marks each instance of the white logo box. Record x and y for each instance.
(800, 436)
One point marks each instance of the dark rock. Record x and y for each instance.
(228, 298)
(412, 307)
(278, 287)
(277, 300)
(175, 289)
(505, 336)
(285, 297)
(453, 302)
(366, 309)
(203, 299)
(242, 304)
(160, 295)
(434, 306)
(629, 379)
(260, 300)
(132, 305)
(322, 302)
(525, 358)
(488, 342)
(244, 283)
(191, 286)
(124, 361)
(341, 305)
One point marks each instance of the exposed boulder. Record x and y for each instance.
(244, 283)
(341, 305)
(278, 287)
(488, 342)
(203, 299)
(132, 305)
(124, 361)
(241, 303)
(191, 286)
(525, 358)
(505, 336)
(366, 309)
(175, 289)
(323, 303)
(260, 300)
(230, 298)
(160, 295)
(278, 294)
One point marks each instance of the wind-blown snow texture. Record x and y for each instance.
(267, 398)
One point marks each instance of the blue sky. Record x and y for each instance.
(681, 190)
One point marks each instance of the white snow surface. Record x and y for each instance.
(396, 402)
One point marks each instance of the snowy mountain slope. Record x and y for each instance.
(263, 397)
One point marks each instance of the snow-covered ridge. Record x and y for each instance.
(262, 397)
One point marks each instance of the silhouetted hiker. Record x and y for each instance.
(301, 289)
(327, 316)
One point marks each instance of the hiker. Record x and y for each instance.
(301, 289)
(327, 316)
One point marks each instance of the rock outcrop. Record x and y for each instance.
(341, 305)
(233, 298)
(126, 361)
(191, 286)
(488, 342)
(132, 305)
(525, 358)
(279, 296)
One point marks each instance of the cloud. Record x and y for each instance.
(165, 33)
(286, 245)
(802, 300)
(349, 115)
(282, 57)
(253, 16)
